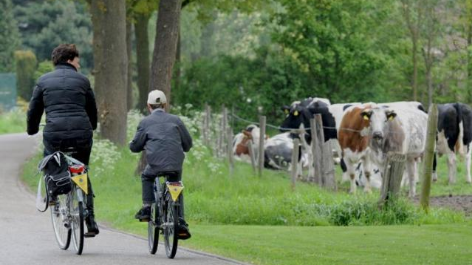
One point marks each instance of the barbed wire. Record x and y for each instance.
(305, 129)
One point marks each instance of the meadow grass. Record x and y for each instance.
(12, 122)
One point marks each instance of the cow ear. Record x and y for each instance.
(286, 109)
(390, 115)
(366, 114)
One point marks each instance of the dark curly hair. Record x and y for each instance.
(64, 52)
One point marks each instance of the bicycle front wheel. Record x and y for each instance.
(153, 229)
(170, 228)
(77, 221)
(60, 221)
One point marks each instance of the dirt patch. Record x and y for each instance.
(458, 203)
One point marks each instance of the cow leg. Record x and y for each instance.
(451, 163)
(351, 172)
(435, 164)
(410, 166)
(344, 169)
(467, 164)
(367, 174)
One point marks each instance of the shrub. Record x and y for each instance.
(25, 67)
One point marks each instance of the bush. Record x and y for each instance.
(25, 68)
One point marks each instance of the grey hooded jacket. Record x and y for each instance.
(165, 139)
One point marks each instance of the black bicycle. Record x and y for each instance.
(165, 215)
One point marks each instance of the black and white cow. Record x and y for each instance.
(278, 152)
(454, 137)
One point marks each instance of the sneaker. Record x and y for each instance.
(144, 214)
(92, 227)
(184, 232)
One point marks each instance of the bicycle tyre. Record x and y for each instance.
(171, 218)
(77, 222)
(153, 229)
(60, 222)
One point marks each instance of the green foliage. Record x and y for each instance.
(9, 36)
(43, 68)
(46, 24)
(25, 68)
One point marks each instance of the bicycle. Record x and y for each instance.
(165, 216)
(68, 211)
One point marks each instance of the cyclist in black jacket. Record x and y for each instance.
(71, 113)
(165, 139)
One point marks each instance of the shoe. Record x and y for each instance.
(92, 227)
(144, 214)
(184, 232)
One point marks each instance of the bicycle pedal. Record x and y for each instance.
(145, 220)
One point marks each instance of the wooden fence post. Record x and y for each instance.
(320, 133)
(206, 129)
(224, 125)
(428, 156)
(316, 152)
(262, 127)
(294, 169)
(328, 166)
(392, 177)
(252, 155)
(230, 151)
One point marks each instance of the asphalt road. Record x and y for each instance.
(27, 237)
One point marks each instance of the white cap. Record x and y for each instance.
(156, 97)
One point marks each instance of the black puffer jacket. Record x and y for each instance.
(69, 102)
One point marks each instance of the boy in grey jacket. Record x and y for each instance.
(165, 139)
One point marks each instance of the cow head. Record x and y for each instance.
(380, 121)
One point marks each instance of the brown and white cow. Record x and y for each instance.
(400, 130)
(354, 142)
(241, 143)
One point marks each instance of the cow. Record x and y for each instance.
(241, 143)
(354, 147)
(354, 142)
(399, 130)
(278, 152)
(454, 137)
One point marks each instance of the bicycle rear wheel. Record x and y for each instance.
(171, 219)
(60, 221)
(77, 221)
(153, 229)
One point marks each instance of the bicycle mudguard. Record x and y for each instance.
(175, 188)
(81, 181)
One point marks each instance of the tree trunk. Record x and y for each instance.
(129, 49)
(165, 46)
(142, 59)
(110, 61)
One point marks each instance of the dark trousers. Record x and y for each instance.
(148, 187)
(81, 153)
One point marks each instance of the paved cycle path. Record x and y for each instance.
(27, 237)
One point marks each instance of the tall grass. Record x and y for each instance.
(13, 121)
